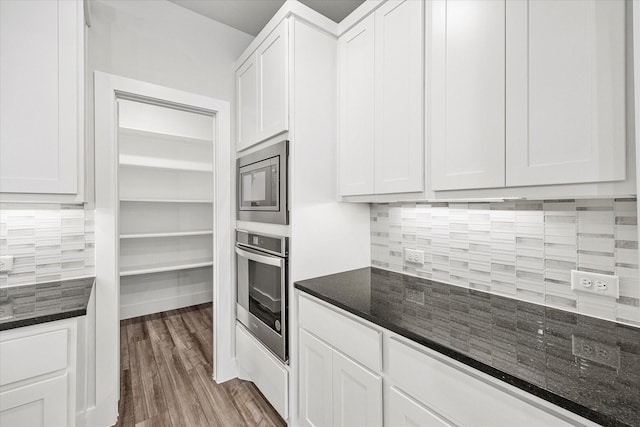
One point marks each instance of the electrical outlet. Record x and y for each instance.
(596, 351)
(6, 263)
(414, 295)
(415, 256)
(594, 283)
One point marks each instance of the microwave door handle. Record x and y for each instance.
(263, 259)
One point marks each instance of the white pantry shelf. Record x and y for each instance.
(167, 234)
(129, 160)
(161, 268)
(136, 200)
(139, 133)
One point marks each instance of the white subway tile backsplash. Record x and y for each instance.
(523, 249)
(49, 242)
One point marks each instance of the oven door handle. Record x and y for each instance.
(263, 259)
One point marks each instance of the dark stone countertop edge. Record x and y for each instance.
(554, 398)
(45, 318)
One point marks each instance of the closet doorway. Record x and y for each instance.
(163, 220)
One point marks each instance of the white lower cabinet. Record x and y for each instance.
(404, 411)
(316, 375)
(39, 371)
(41, 404)
(357, 394)
(335, 390)
(421, 386)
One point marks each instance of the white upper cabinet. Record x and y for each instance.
(399, 142)
(565, 91)
(356, 126)
(381, 98)
(528, 93)
(468, 114)
(273, 98)
(262, 90)
(41, 98)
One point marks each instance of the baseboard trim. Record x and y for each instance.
(164, 304)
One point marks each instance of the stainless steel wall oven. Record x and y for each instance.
(262, 185)
(262, 300)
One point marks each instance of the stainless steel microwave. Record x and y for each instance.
(262, 185)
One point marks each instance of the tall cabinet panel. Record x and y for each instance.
(468, 110)
(565, 92)
(356, 127)
(398, 97)
(41, 101)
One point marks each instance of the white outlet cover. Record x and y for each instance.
(611, 290)
(6, 263)
(414, 256)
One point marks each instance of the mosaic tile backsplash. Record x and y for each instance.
(48, 242)
(521, 249)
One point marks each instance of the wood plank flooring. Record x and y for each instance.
(165, 376)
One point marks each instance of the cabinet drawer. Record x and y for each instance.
(33, 355)
(353, 338)
(460, 396)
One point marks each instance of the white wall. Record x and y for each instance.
(160, 42)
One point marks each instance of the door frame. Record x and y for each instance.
(104, 371)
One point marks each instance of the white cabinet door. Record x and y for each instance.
(565, 91)
(356, 109)
(315, 381)
(468, 94)
(41, 63)
(247, 98)
(273, 93)
(357, 394)
(403, 411)
(399, 89)
(40, 404)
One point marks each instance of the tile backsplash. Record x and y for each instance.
(522, 249)
(48, 242)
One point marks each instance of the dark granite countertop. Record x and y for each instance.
(44, 302)
(586, 365)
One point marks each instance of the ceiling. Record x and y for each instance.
(251, 16)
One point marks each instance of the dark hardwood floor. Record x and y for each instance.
(165, 376)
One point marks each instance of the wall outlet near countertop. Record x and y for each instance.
(414, 295)
(596, 351)
(415, 256)
(6, 263)
(595, 283)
